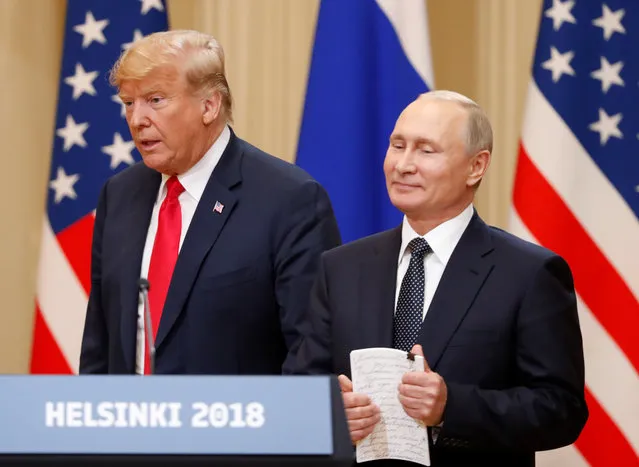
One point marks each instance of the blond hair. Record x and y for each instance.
(479, 132)
(203, 60)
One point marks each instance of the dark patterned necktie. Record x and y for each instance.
(410, 303)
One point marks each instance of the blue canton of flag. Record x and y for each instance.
(91, 143)
(371, 58)
(589, 48)
(92, 140)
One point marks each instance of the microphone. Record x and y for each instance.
(143, 286)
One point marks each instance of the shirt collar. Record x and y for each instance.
(442, 239)
(195, 179)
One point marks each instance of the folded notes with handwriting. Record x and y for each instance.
(377, 372)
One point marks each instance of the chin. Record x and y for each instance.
(156, 162)
(404, 203)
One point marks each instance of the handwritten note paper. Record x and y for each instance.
(377, 372)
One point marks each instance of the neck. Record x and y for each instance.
(206, 142)
(424, 223)
(214, 134)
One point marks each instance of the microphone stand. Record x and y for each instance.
(144, 286)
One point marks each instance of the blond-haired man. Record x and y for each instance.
(494, 316)
(227, 235)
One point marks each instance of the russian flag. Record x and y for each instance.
(371, 58)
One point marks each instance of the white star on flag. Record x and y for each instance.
(120, 151)
(608, 74)
(560, 13)
(82, 81)
(137, 35)
(91, 30)
(115, 98)
(610, 22)
(148, 4)
(559, 63)
(73, 133)
(63, 185)
(607, 126)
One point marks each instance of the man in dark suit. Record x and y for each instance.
(228, 236)
(494, 316)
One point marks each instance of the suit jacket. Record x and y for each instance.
(502, 330)
(241, 282)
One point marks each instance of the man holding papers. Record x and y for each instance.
(495, 316)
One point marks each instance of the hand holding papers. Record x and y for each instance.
(377, 372)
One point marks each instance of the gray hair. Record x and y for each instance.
(479, 132)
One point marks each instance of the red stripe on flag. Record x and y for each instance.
(597, 281)
(601, 442)
(46, 357)
(75, 241)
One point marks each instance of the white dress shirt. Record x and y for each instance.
(194, 181)
(442, 239)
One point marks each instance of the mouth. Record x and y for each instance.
(404, 186)
(149, 144)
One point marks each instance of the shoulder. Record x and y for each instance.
(132, 182)
(269, 169)
(131, 177)
(364, 247)
(519, 249)
(527, 259)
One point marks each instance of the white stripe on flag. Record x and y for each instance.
(568, 456)
(61, 297)
(610, 376)
(566, 165)
(409, 19)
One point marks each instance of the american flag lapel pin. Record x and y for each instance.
(218, 207)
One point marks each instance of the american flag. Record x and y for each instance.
(218, 207)
(577, 193)
(91, 143)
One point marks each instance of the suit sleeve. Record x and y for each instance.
(547, 409)
(94, 350)
(305, 230)
(314, 355)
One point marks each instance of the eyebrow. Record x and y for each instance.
(422, 140)
(418, 140)
(146, 92)
(152, 90)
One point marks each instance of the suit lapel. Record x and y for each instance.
(204, 230)
(378, 276)
(135, 222)
(465, 273)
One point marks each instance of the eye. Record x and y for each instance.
(426, 149)
(156, 100)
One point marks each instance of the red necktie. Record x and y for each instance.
(164, 255)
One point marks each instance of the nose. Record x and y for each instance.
(138, 115)
(406, 162)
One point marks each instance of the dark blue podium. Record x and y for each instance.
(173, 420)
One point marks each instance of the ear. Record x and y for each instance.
(477, 167)
(212, 106)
